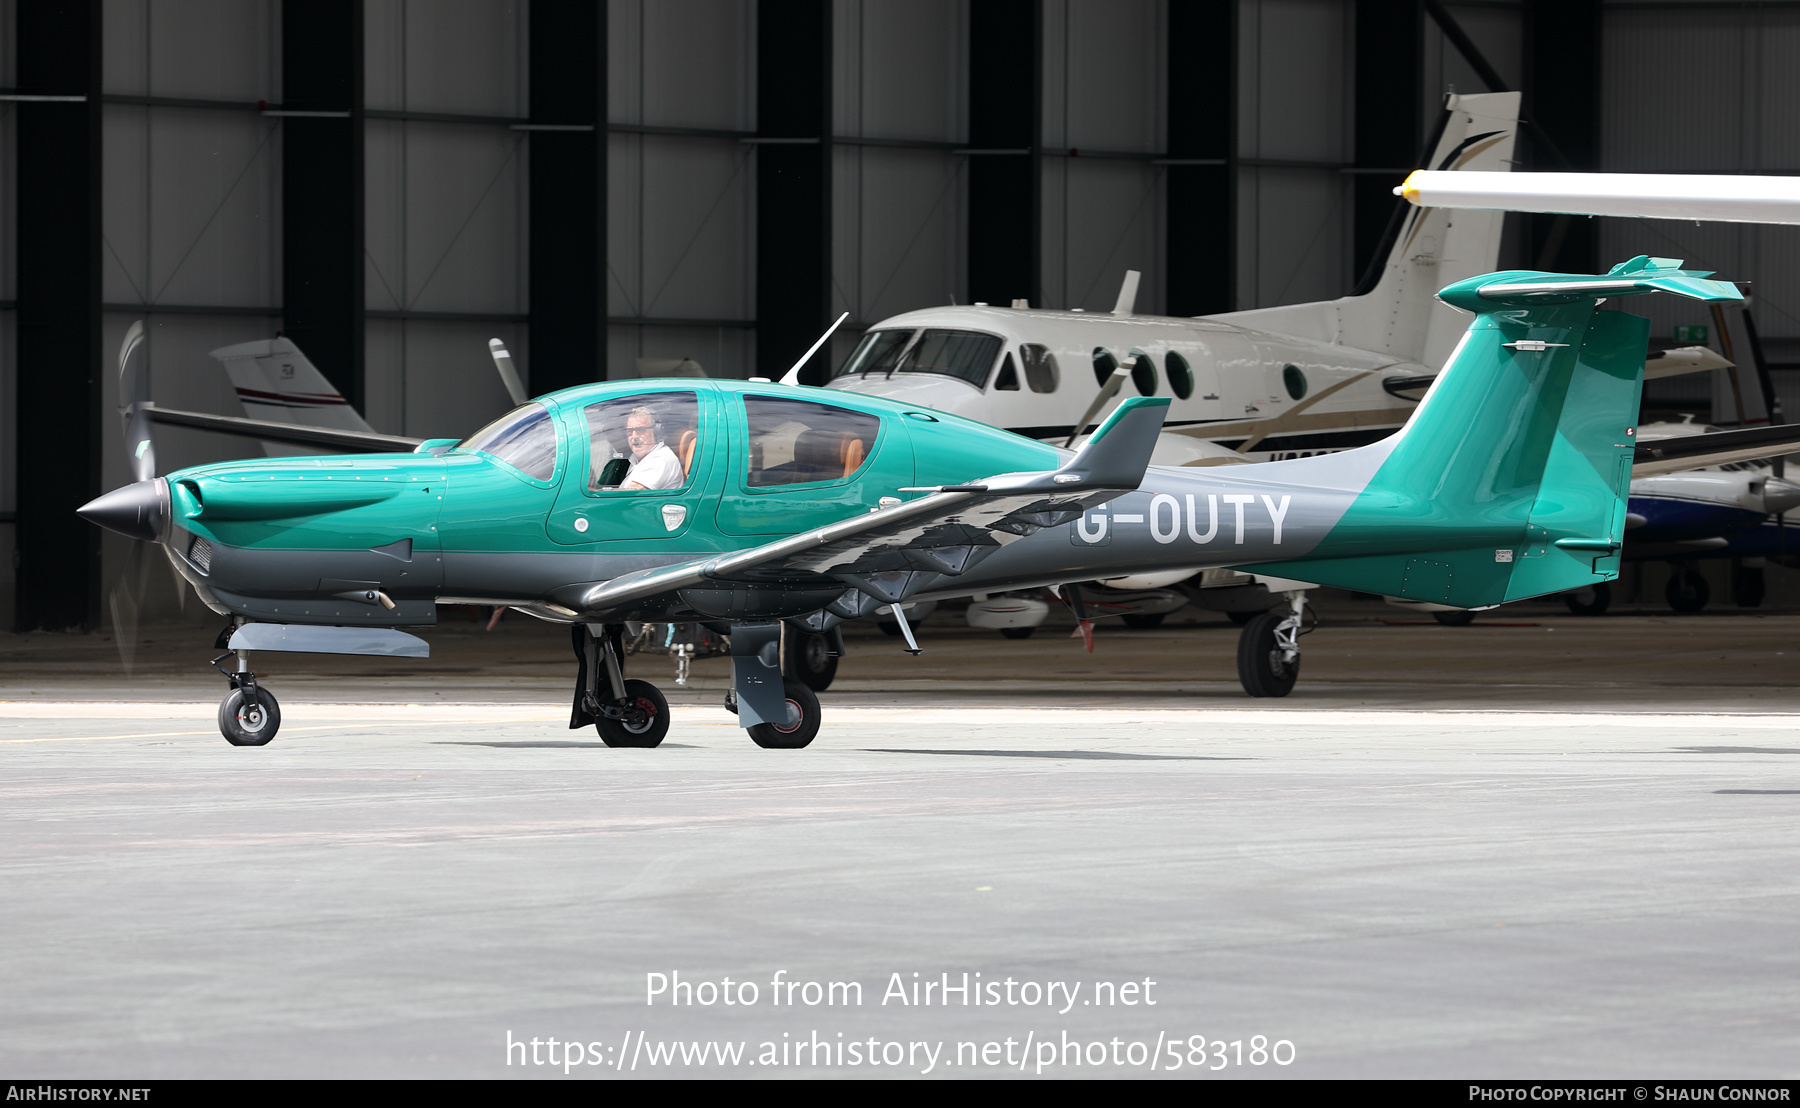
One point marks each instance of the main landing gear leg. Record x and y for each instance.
(625, 713)
(249, 715)
(1269, 649)
(779, 712)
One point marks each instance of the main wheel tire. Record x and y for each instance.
(1017, 632)
(1242, 619)
(1591, 601)
(808, 659)
(616, 732)
(1260, 669)
(246, 722)
(802, 725)
(1747, 587)
(1144, 621)
(1687, 591)
(1454, 619)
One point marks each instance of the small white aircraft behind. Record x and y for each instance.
(1247, 386)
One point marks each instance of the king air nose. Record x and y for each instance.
(139, 511)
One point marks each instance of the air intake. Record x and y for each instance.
(200, 553)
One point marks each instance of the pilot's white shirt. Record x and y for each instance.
(659, 469)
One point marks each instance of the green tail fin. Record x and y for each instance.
(1511, 478)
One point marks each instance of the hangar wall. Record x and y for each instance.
(193, 171)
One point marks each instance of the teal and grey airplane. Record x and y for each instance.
(749, 506)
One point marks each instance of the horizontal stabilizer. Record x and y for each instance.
(1528, 289)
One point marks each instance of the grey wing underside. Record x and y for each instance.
(879, 558)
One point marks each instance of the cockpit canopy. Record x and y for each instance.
(967, 355)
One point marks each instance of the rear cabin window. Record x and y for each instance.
(794, 442)
(524, 438)
(878, 352)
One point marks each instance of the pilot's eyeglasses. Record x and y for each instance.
(639, 430)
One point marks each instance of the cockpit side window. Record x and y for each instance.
(1007, 380)
(646, 441)
(968, 355)
(1040, 367)
(878, 352)
(524, 438)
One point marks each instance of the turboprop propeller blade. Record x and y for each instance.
(134, 395)
(1107, 391)
(509, 374)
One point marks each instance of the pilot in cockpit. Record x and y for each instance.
(653, 464)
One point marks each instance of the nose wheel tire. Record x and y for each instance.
(652, 722)
(1017, 632)
(1263, 668)
(810, 660)
(1454, 619)
(249, 717)
(802, 723)
(1144, 621)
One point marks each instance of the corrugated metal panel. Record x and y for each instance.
(462, 56)
(1293, 222)
(897, 214)
(199, 49)
(1103, 91)
(1706, 91)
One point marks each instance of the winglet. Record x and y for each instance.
(1117, 454)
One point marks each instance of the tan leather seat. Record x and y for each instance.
(684, 449)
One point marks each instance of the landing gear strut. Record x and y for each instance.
(1269, 649)
(779, 712)
(625, 713)
(249, 714)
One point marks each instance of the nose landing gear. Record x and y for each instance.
(624, 713)
(249, 715)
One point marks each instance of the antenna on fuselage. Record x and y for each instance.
(792, 376)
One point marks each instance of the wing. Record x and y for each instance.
(890, 554)
(1716, 448)
(298, 434)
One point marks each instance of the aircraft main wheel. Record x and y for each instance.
(1017, 632)
(802, 722)
(249, 722)
(1454, 619)
(648, 732)
(808, 659)
(1144, 621)
(1687, 591)
(1591, 601)
(1261, 669)
(1241, 618)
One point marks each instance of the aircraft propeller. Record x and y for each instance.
(509, 374)
(138, 499)
(1107, 391)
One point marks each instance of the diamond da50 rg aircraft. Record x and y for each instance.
(814, 506)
